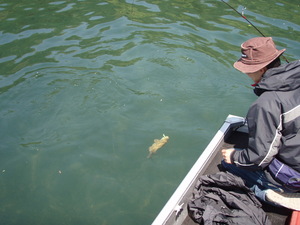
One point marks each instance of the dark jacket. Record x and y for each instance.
(223, 198)
(274, 120)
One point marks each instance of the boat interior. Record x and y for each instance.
(239, 140)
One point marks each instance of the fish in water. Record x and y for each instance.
(158, 143)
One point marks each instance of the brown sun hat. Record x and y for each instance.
(256, 54)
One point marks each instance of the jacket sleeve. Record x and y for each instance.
(264, 123)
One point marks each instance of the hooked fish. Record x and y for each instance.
(158, 143)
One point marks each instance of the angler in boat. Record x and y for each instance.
(270, 165)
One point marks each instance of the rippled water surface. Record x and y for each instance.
(85, 87)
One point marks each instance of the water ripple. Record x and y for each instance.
(85, 87)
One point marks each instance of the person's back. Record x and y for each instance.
(275, 116)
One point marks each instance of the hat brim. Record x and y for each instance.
(247, 68)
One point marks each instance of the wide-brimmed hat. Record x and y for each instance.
(256, 54)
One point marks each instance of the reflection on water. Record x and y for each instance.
(85, 87)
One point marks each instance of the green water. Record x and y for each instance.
(85, 87)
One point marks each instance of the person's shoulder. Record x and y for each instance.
(267, 101)
(267, 96)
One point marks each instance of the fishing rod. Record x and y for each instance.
(243, 16)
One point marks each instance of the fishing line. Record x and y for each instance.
(242, 15)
